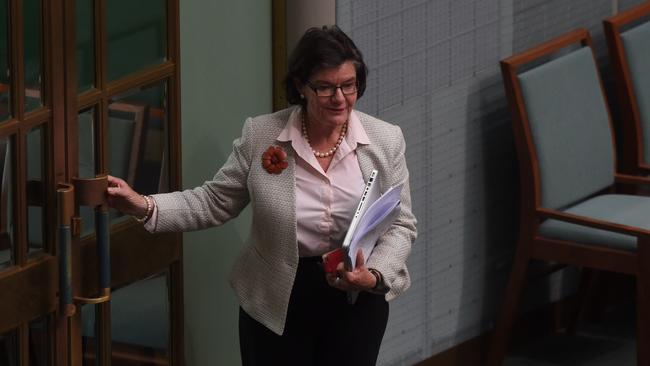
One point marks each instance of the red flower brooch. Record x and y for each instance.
(274, 160)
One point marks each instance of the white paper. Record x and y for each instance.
(377, 217)
(370, 194)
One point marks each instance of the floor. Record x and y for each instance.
(609, 341)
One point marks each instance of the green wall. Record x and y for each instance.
(226, 77)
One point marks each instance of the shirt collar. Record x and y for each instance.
(293, 130)
(356, 133)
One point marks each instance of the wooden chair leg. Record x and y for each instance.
(643, 302)
(501, 335)
(588, 280)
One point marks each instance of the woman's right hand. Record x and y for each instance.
(124, 199)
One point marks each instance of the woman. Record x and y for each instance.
(303, 170)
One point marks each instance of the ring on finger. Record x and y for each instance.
(337, 281)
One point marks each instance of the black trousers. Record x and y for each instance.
(321, 327)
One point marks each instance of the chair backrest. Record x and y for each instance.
(567, 122)
(628, 41)
(636, 42)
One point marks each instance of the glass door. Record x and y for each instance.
(32, 327)
(87, 88)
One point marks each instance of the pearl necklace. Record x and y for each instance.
(331, 150)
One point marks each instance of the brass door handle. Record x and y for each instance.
(92, 192)
(65, 199)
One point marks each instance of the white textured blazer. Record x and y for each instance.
(263, 275)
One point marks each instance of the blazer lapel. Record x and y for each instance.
(365, 160)
(365, 152)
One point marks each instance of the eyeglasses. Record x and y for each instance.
(330, 90)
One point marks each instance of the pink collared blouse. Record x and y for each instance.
(325, 201)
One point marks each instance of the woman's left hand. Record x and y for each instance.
(359, 279)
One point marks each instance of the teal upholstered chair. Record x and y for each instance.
(571, 212)
(628, 41)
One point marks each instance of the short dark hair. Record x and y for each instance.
(321, 48)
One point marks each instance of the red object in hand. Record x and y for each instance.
(332, 259)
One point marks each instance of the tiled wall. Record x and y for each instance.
(434, 71)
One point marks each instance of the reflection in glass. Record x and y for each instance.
(6, 203)
(137, 139)
(85, 44)
(139, 323)
(35, 190)
(38, 342)
(5, 80)
(86, 159)
(32, 53)
(86, 133)
(137, 35)
(9, 349)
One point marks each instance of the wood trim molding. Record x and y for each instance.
(279, 53)
(177, 311)
(144, 77)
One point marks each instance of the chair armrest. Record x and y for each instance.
(595, 223)
(631, 179)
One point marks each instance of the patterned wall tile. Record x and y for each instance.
(434, 71)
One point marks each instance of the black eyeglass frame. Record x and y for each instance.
(331, 89)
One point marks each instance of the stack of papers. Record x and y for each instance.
(375, 214)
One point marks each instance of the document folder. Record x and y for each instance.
(375, 214)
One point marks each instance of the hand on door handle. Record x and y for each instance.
(124, 199)
(92, 192)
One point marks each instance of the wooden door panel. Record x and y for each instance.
(28, 292)
(135, 254)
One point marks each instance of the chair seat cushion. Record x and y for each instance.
(615, 208)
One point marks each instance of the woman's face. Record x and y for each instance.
(332, 110)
